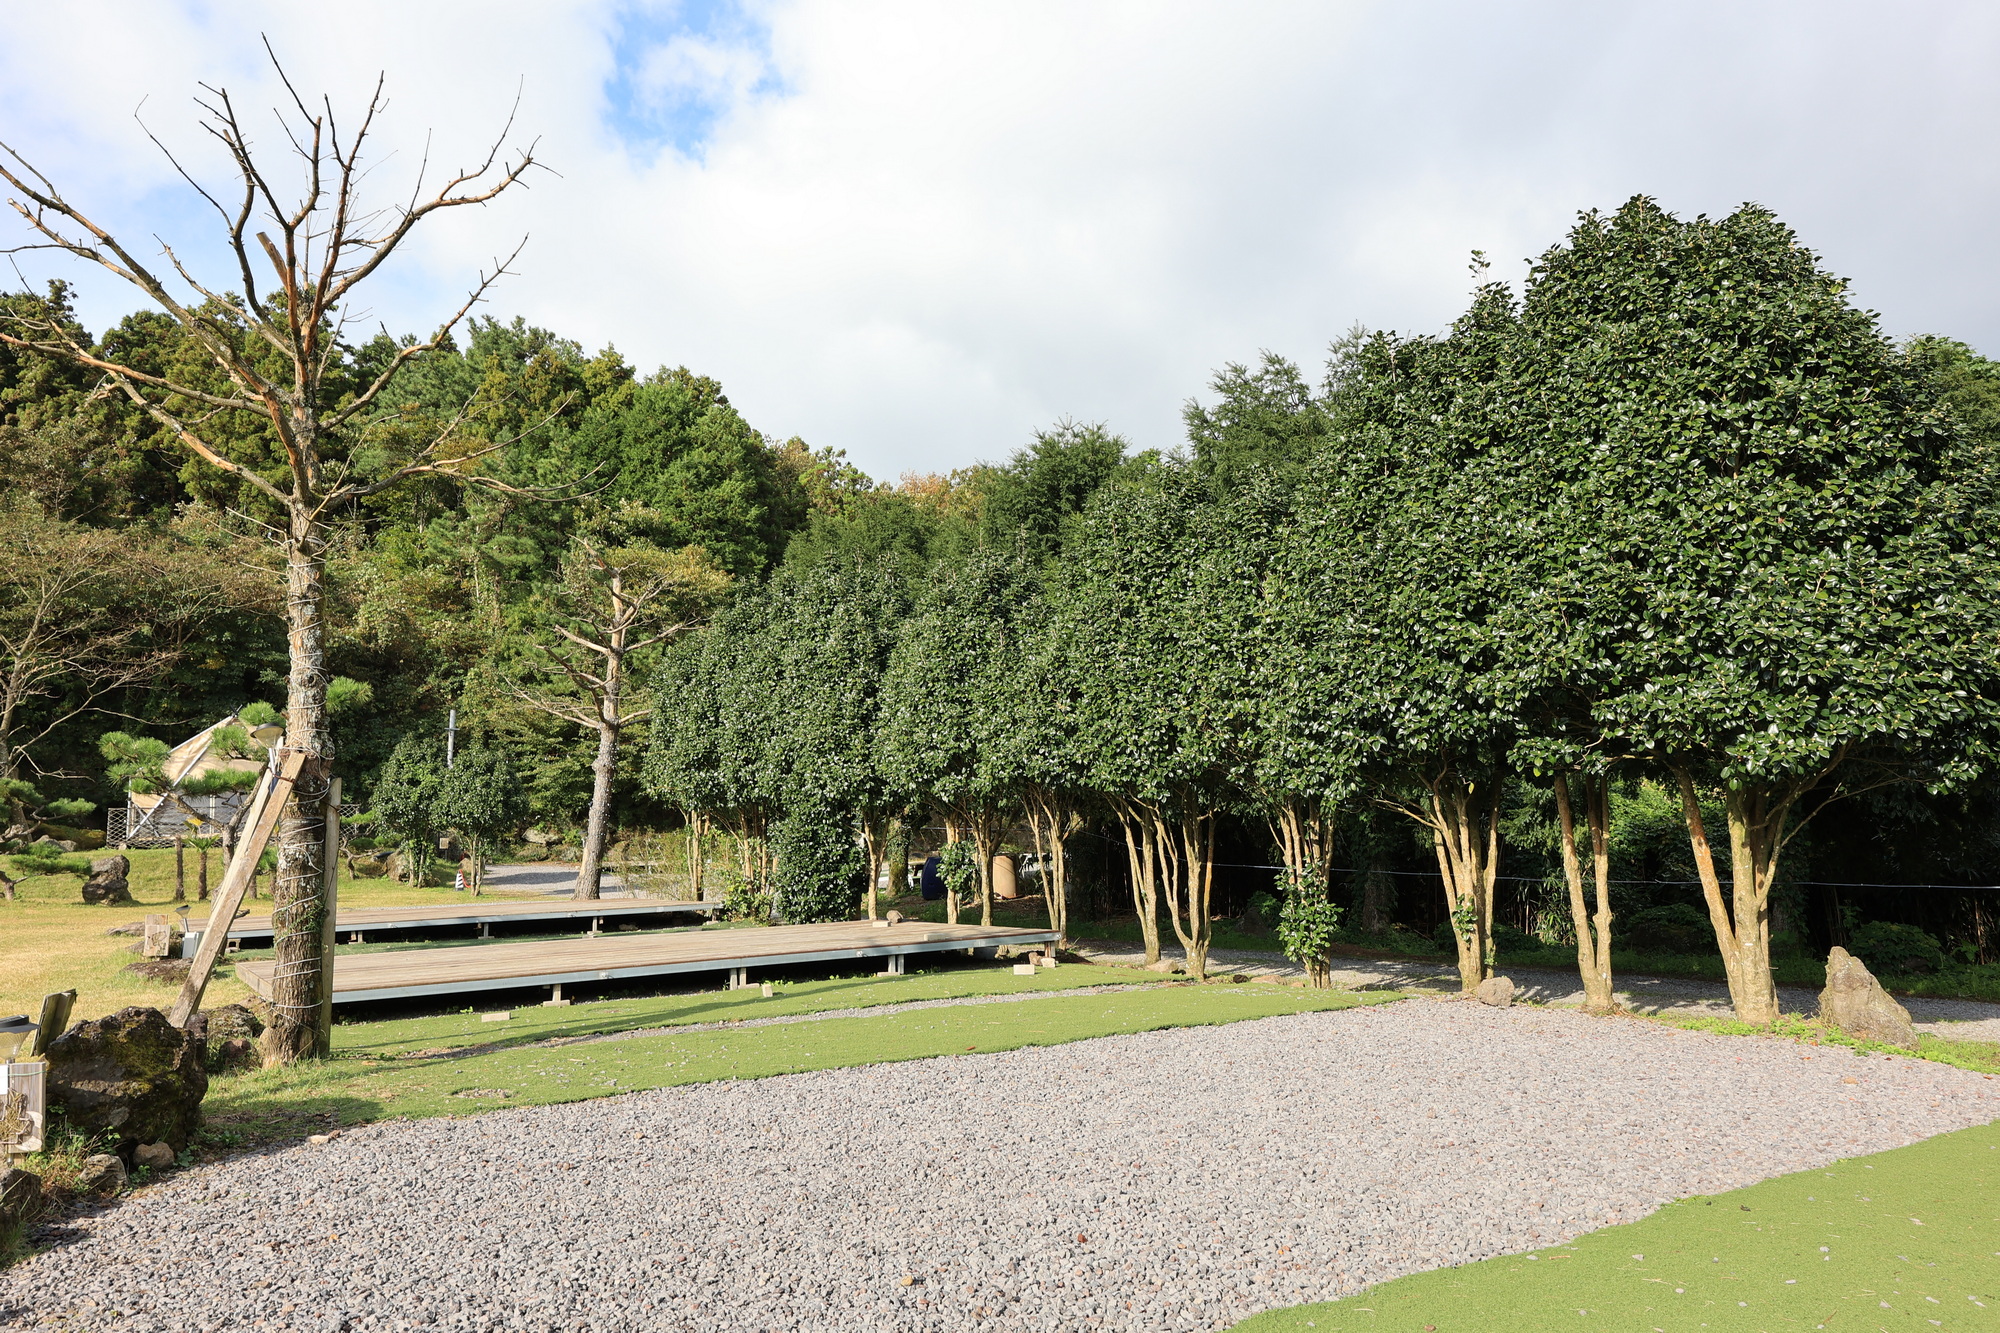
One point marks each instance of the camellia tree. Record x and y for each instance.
(1398, 531)
(479, 795)
(1796, 532)
(1155, 709)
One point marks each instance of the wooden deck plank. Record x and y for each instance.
(410, 972)
(478, 912)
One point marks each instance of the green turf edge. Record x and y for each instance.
(534, 1022)
(269, 1105)
(1908, 1238)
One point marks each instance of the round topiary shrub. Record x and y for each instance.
(820, 870)
(1891, 946)
(1668, 928)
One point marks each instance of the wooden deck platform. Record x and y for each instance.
(407, 973)
(358, 921)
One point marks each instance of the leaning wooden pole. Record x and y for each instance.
(263, 818)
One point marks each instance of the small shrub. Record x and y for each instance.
(1891, 946)
(1308, 924)
(1670, 928)
(742, 899)
(958, 866)
(820, 872)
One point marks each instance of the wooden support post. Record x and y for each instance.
(55, 1020)
(268, 805)
(330, 864)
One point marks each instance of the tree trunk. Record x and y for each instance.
(201, 884)
(180, 870)
(695, 858)
(1050, 823)
(985, 841)
(1141, 856)
(299, 892)
(1189, 873)
(1593, 936)
(950, 889)
(1464, 819)
(899, 858)
(1743, 922)
(872, 842)
(595, 827)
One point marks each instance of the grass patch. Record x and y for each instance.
(370, 1082)
(1980, 1056)
(1903, 1239)
(51, 940)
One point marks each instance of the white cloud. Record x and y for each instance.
(920, 231)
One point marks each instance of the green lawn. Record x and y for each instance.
(472, 1066)
(1902, 1239)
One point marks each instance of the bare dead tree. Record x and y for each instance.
(320, 244)
(612, 604)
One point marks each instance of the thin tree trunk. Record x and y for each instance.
(1190, 879)
(180, 870)
(950, 889)
(299, 892)
(201, 884)
(595, 827)
(1743, 922)
(695, 855)
(1593, 937)
(985, 841)
(1051, 824)
(1141, 857)
(872, 840)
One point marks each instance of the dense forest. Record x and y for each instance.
(1581, 610)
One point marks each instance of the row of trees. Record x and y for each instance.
(1679, 510)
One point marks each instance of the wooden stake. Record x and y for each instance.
(264, 816)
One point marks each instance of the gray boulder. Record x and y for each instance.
(1855, 1002)
(20, 1201)
(228, 1037)
(101, 1173)
(155, 1155)
(108, 881)
(133, 1076)
(1496, 991)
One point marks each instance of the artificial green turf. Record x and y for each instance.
(276, 1103)
(1906, 1239)
(941, 980)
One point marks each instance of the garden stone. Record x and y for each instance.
(895, 918)
(154, 1155)
(1855, 1002)
(133, 1075)
(108, 881)
(101, 1173)
(1496, 991)
(20, 1199)
(1164, 965)
(228, 1036)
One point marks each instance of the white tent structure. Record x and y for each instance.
(156, 820)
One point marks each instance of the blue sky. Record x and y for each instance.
(919, 232)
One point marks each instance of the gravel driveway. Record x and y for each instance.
(1162, 1181)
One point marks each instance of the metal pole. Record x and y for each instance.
(450, 736)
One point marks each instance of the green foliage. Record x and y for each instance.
(407, 793)
(1891, 946)
(744, 899)
(820, 869)
(1668, 928)
(958, 867)
(44, 859)
(479, 795)
(1309, 921)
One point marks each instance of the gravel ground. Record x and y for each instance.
(1173, 1180)
(1963, 1020)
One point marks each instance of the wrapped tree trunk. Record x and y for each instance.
(1593, 934)
(298, 890)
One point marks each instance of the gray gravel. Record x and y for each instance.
(1164, 1181)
